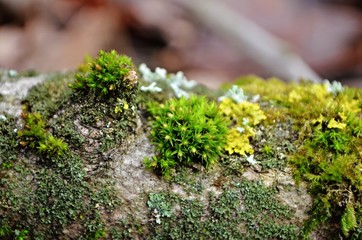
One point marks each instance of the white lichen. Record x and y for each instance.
(177, 82)
(2, 118)
(180, 80)
(240, 129)
(335, 87)
(151, 88)
(12, 73)
(250, 159)
(235, 93)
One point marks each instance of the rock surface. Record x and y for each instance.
(123, 166)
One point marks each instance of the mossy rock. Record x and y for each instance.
(299, 174)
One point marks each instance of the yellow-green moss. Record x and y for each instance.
(328, 156)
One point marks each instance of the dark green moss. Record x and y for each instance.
(60, 197)
(274, 144)
(8, 141)
(49, 96)
(127, 228)
(55, 192)
(245, 210)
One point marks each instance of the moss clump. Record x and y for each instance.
(110, 74)
(330, 160)
(186, 131)
(36, 137)
(105, 98)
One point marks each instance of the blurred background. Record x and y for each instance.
(55, 35)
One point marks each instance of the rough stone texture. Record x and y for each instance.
(13, 90)
(296, 197)
(133, 182)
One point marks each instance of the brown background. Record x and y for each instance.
(55, 35)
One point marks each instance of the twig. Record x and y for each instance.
(264, 48)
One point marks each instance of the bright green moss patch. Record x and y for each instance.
(110, 73)
(36, 137)
(104, 98)
(186, 131)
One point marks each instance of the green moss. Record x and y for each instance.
(104, 98)
(329, 159)
(110, 74)
(157, 202)
(61, 197)
(127, 228)
(36, 137)
(8, 141)
(5, 229)
(186, 131)
(328, 150)
(45, 191)
(189, 180)
(245, 210)
(49, 96)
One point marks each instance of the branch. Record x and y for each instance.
(264, 48)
